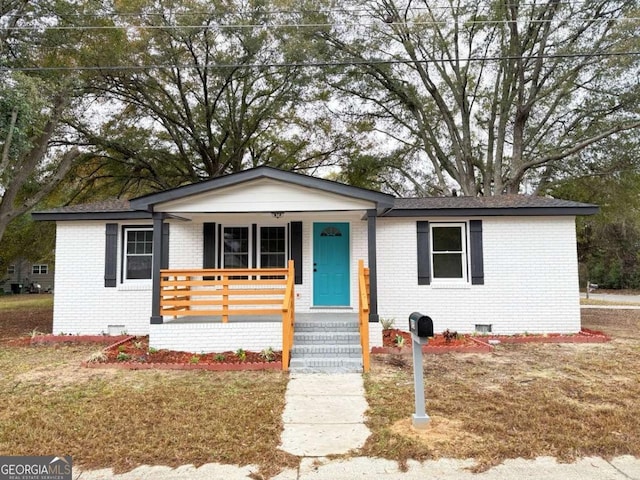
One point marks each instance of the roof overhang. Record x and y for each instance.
(495, 212)
(68, 216)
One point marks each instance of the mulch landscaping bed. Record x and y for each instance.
(133, 353)
(485, 343)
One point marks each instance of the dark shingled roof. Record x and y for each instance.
(500, 201)
(517, 205)
(112, 209)
(110, 205)
(498, 205)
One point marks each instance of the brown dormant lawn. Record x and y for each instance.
(563, 400)
(122, 419)
(527, 400)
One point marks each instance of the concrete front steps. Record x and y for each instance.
(326, 346)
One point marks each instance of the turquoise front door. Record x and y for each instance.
(331, 264)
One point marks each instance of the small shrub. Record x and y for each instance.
(267, 354)
(123, 357)
(97, 357)
(121, 348)
(449, 336)
(152, 350)
(241, 354)
(399, 341)
(219, 357)
(387, 323)
(137, 344)
(194, 360)
(35, 332)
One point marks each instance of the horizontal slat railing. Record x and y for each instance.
(222, 292)
(227, 292)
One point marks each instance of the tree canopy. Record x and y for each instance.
(489, 97)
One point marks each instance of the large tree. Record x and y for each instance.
(486, 96)
(41, 43)
(203, 91)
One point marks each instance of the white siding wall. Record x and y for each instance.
(530, 274)
(82, 304)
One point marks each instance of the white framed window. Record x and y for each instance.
(11, 270)
(449, 252)
(272, 251)
(138, 253)
(236, 245)
(266, 247)
(39, 269)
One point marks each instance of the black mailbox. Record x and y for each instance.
(420, 325)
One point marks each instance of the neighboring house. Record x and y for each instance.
(504, 264)
(22, 273)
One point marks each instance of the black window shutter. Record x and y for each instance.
(477, 260)
(424, 254)
(164, 260)
(209, 247)
(296, 250)
(256, 248)
(111, 255)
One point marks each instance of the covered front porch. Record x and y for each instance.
(214, 310)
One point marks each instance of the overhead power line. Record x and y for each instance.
(354, 62)
(223, 26)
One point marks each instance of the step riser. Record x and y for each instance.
(321, 363)
(326, 350)
(326, 327)
(337, 338)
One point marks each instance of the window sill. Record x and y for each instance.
(135, 286)
(451, 285)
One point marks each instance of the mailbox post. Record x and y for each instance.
(421, 328)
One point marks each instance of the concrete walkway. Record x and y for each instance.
(324, 414)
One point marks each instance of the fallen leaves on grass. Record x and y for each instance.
(561, 400)
(133, 418)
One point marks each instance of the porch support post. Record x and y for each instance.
(373, 269)
(158, 221)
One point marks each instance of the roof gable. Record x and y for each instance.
(263, 195)
(380, 200)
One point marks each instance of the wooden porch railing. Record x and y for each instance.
(229, 292)
(363, 312)
(288, 317)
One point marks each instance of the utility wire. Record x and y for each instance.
(412, 8)
(355, 62)
(310, 25)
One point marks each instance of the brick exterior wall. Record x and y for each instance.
(530, 274)
(530, 278)
(216, 337)
(82, 304)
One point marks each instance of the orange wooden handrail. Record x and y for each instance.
(288, 317)
(363, 313)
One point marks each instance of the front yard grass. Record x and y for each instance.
(122, 419)
(561, 400)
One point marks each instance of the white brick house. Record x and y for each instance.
(506, 263)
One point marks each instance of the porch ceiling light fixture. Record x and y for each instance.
(277, 214)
